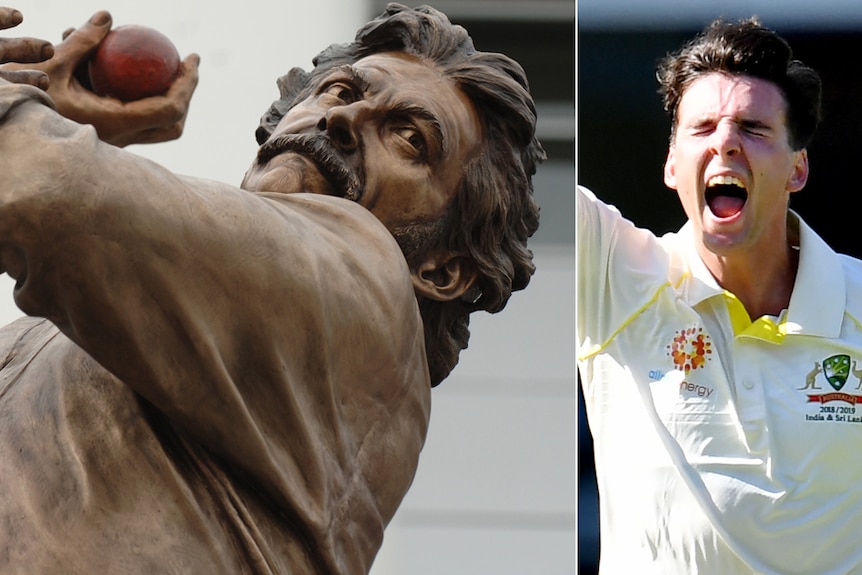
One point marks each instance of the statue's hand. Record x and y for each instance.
(23, 50)
(155, 119)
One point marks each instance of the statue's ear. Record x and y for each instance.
(443, 276)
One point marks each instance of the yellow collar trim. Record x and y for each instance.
(764, 327)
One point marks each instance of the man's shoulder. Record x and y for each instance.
(852, 269)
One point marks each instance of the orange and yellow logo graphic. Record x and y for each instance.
(690, 349)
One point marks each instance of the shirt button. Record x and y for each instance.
(747, 385)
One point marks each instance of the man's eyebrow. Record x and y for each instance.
(745, 122)
(753, 123)
(701, 120)
(427, 117)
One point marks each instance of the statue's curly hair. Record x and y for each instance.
(494, 211)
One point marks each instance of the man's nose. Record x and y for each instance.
(725, 141)
(340, 124)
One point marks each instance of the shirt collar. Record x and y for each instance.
(816, 304)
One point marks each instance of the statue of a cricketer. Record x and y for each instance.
(213, 379)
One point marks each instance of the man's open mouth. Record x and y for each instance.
(725, 196)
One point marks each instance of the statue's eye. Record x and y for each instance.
(341, 90)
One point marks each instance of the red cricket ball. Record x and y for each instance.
(133, 62)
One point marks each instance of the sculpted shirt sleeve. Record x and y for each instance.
(279, 331)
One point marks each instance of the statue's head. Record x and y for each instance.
(437, 140)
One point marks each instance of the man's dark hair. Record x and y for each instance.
(493, 211)
(745, 47)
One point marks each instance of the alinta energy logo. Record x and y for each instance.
(690, 349)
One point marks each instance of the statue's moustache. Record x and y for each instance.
(322, 152)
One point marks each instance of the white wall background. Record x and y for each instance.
(495, 491)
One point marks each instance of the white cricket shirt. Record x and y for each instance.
(723, 446)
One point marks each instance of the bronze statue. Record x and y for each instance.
(215, 379)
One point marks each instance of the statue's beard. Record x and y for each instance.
(416, 240)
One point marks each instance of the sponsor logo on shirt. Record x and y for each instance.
(690, 349)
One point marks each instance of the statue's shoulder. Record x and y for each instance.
(343, 225)
(24, 337)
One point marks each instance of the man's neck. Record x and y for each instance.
(762, 282)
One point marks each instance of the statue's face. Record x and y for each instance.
(403, 129)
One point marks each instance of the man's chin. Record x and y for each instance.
(725, 244)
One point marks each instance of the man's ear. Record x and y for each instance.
(799, 176)
(443, 276)
(670, 169)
